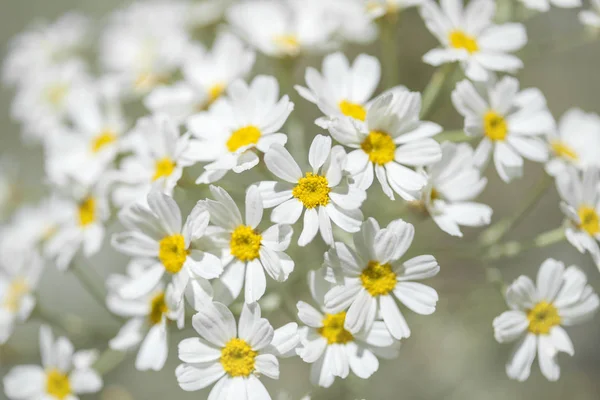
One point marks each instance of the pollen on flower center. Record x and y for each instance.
(215, 91)
(57, 384)
(245, 243)
(378, 279)
(542, 318)
(163, 168)
(353, 110)
(105, 138)
(312, 190)
(379, 146)
(460, 40)
(494, 126)
(17, 289)
(158, 307)
(87, 211)
(172, 253)
(288, 42)
(243, 137)
(238, 357)
(333, 329)
(563, 150)
(590, 220)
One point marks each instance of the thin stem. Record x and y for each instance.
(108, 360)
(60, 322)
(514, 248)
(434, 87)
(91, 284)
(389, 54)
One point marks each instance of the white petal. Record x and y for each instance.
(519, 365)
(319, 151)
(561, 341)
(143, 283)
(256, 282)
(362, 362)
(549, 279)
(197, 350)
(154, 350)
(215, 323)
(277, 237)
(282, 164)
(510, 325)
(288, 212)
(361, 313)
(267, 365)
(340, 298)
(193, 377)
(309, 315)
(547, 358)
(420, 267)
(285, 340)
(393, 318)
(416, 296)
(310, 227)
(204, 265)
(254, 207)
(85, 381)
(166, 210)
(25, 382)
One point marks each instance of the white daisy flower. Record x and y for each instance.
(159, 156)
(283, 28)
(353, 24)
(591, 17)
(206, 76)
(247, 253)
(379, 8)
(544, 5)
(372, 272)
(580, 193)
(157, 236)
(331, 349)
(45, 45)
(509, 121)
(562, 297)
(468, 36)
(233, 357)
(342, 90)
(63, 375)
(324, 193)
(248, 119)
(19, 278)
(453, 182)
(390, 140)
(576, 142)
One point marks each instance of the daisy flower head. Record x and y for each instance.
(330, 348)
(580, 194)
(206, 76)
(246, 252)
(64, 374)
(324, 192)
(453, 182)
(510, 123)
(162, 243)
(576, 142)
(19, 277)
(341, 89)
(560, 297)
(248, 119)
(234, 357)
(390, 141)
(467, 35)
(371, 274)
(591, 17)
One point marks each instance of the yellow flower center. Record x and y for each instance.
(378, 279)
(380, 147)
(590, 221)
(563, 150)
(158, 307)
(215, 91)
(494, 126)
(56, 94)
(542, 318)
(289, 43)
(333, 329)
(460, 40)
(163, 168)
(245, 243)
(172, 253)
(435, 195)
(243, 137)
(57, 384)
(149, 80)
(17, 289)
(87, 211)
(312, 190)
(103, 139)
(353, 110)
(237, 358)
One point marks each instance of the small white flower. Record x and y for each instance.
(233, 357)
(246, 252)
(19, 278)
(562, 297)
(324, 191)
(63, 375)
(163, 244)
(388, 142)
(509, 121)
(576, 142)
(580, 193)
(453, 182)
(372, 272)
(248, 119)
(331, 349)
(469, 37)
(342, 90)
(544, 5)
(206, 76)
(591, 17)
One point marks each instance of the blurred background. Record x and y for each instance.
(451, 354)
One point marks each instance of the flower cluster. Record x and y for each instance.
(195, 157)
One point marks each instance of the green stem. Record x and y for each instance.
(108, 360)
(94, 285)
(434, 87)
(515, 247)
(389, 55)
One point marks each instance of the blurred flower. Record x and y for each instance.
(562, 297)
(380, 8)
(469, 37)
(591, 17)
(544, 5)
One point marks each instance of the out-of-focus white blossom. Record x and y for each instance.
(591, 17)
(544, 5)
